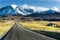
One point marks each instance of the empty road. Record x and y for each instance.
(17, 32)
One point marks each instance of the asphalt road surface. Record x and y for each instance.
(17, 32)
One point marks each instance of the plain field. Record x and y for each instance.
(41, 25)
(5, 26)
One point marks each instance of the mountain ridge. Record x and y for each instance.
(14, 10)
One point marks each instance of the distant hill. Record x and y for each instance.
(14, 10)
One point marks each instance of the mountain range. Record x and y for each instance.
(15, 10)
(12, 10)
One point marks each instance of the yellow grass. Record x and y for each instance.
(40, 26)
(4, 26)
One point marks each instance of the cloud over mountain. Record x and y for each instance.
(55, 8)
(39, 9)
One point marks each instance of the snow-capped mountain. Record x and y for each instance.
(12, 10)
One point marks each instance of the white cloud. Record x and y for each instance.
(55, 8)
(25, 6)
(42, 9)
(39, 9)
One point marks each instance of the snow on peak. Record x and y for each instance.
(13, 6)
(19, 10)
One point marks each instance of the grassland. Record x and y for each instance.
(37, 26)
(41, 25)
(4, 26)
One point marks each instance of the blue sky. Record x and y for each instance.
(43, 3)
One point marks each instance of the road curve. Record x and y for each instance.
(17, 32)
